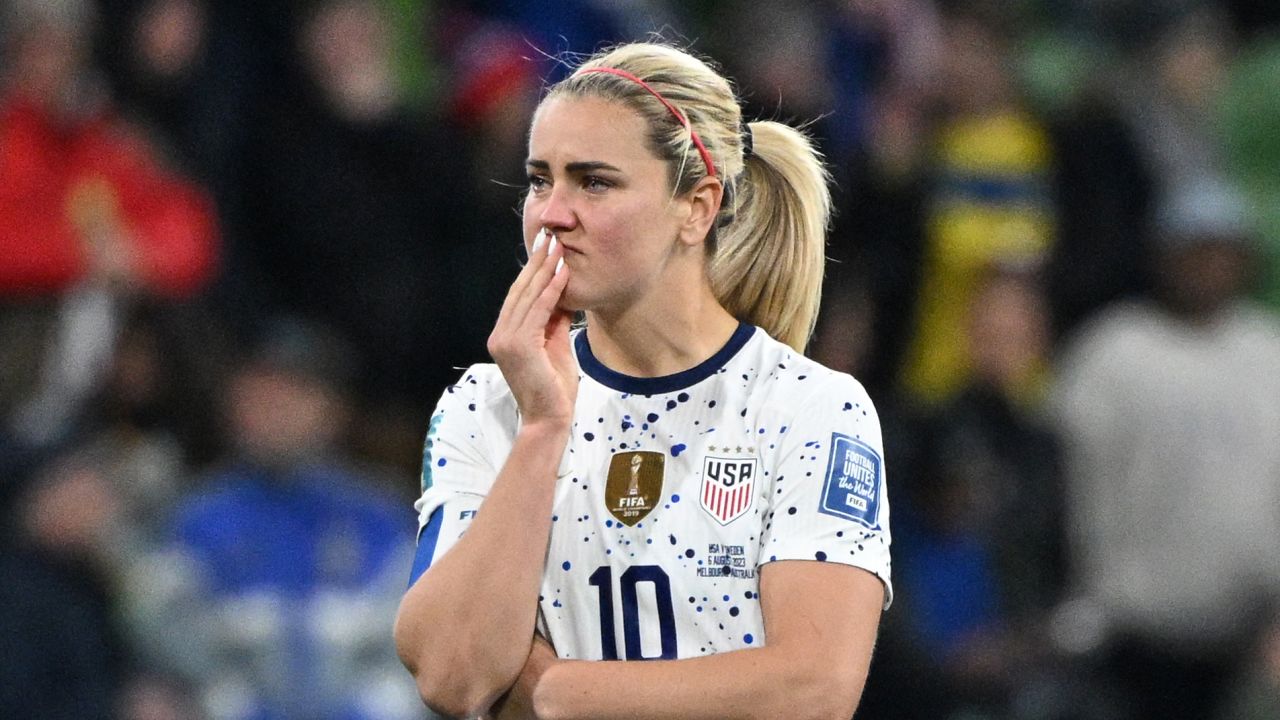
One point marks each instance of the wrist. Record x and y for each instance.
(546, 428)
(543, 442)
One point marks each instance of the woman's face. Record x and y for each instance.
(595, 184)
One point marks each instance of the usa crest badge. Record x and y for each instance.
(728, 487)
(634, 485)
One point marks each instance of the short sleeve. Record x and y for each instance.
(459, 461)
(828, 500)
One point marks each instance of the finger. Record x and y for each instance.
(525, 275)
(546, 304)
(529, 331)
(531, 265)
(557, 332)
(522, 309)
(520, 329)
(554, 291)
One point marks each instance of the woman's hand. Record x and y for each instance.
(530, 341)
(517, 704)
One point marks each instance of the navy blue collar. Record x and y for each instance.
(667, 383)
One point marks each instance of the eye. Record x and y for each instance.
(537, 182)
(594, 183)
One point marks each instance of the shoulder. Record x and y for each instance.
(480, 383)
(480, 396)
(793, 383)
(474, 422)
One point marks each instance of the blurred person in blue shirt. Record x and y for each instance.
(286, 568)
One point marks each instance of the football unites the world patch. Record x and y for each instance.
(728, 487)
(852, 488)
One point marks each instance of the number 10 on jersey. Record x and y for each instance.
(602, 580)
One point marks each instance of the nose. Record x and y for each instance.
(556, 213)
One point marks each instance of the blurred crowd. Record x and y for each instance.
(245, 244)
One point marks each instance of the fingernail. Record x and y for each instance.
(552, 247)
(559, 265)
(537, 239)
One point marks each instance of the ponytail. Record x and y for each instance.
(768, 264)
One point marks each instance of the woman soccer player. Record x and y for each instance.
(675, 482)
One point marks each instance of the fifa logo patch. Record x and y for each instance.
(634, 485)
(852, 488)
(728, 487)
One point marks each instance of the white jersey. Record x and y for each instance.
(673, 492)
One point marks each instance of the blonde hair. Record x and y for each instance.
(766, 250)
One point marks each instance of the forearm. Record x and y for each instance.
(517, 704)
(769, 682)
(464, 628)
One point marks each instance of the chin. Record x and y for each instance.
(595, 298)
(572, 299)
(571, 304)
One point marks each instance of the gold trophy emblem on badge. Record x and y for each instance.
(634, 485)
(636, 461)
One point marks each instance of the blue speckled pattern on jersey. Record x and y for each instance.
(683, 581)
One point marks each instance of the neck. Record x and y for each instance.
(652, 342)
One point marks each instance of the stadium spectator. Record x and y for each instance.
(352, 219)
(153, 420)
(960, 170)
(83, 195)
(1171, 90)
(1168, 410)
(495, 82)
(945, 191)
(989, 199)
(277, 594)
(67, 549)
(89, 217)
(64, 653)
(157, 56)
(979, 525)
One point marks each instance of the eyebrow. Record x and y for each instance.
(574, 168)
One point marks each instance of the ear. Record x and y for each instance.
(703, 205)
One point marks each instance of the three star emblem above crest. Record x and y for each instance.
(736, 449)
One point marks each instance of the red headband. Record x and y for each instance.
(702, 149)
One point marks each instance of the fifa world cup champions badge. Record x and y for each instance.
(634, 485)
